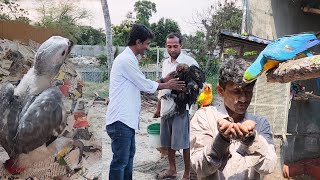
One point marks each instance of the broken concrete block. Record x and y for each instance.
(4, 72)
(6, 64)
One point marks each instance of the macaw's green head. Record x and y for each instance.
(236, 94)
(248, 76)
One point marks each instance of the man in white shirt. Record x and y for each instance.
(126, 83)
(174, 130)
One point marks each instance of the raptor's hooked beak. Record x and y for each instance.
(70, 45)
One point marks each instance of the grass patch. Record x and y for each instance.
(91, 87)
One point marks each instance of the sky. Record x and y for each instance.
(182, 11)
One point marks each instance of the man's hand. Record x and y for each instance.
(247, 127)
(232, 130)
(226, 129)
(175, 84)
(170, 76)
(156, 114)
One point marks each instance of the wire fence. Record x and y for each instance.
(212, 75)
(92, 74)
(98, 75)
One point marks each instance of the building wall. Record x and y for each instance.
(24, 32)
(272, 19)
(259, 19)
(304, 126)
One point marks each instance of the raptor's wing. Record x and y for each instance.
(9, 108)
(197, 75)
(41, 118)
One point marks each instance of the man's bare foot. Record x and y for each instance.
(166, 174)
(186, 176)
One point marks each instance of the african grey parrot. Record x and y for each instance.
(33, 112)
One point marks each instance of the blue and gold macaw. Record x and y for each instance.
(280, 50)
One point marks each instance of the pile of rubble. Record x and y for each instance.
(15, 60)
(85, 61)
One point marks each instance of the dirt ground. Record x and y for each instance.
(147, 162)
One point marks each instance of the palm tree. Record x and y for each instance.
(107, 21)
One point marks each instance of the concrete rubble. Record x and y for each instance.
(15, 60)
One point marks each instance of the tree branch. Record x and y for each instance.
(294, 70)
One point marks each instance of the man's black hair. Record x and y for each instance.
(139, 31)
(173, 35)
(232, 70)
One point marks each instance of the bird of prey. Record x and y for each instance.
(280, 50)
(33, 113)
(205, 98)
(194, 79)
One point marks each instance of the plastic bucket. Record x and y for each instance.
(154, 135)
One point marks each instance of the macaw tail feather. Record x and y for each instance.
(308, 45)
(305, 54)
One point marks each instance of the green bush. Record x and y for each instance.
(102, 59)
(150, 57)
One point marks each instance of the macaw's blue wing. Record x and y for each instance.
(288, 47)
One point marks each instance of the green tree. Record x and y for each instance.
(121, 33)
(10, 10)
(150, 56)
(63, 16)
(144, 10)
(227, 17)
(162, 29)
(87, 35)
(196, 44)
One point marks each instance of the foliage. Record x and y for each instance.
(196, 44)
(105, 73)
(121, 33)
(144, 10)
(150, 57)
(10, 10)
(249, 53)
(102, 59)
(63, 16)
(162, 29)
(90, 88)
(87, 35)
(231, 51)
(227, 17)
(116, 52)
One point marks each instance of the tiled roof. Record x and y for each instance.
(249, 38)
